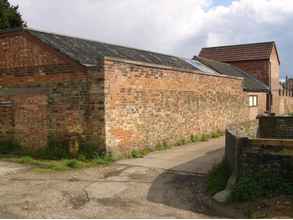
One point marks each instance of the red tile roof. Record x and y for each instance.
(242, 52)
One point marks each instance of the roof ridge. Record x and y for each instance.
(247, 44)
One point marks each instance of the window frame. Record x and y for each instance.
(253, 101)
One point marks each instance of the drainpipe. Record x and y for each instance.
(270, 87)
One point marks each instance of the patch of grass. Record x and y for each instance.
(105, 159)
(63, 165)
(194, 138)
(181, 142)
(216, 134)
(204, 137)
(261, 185)
(286, 152)
(218, 177)
(74, 164)
(162, 146)
(137, 153)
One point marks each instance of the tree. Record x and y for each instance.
(10, 16)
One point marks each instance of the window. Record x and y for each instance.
(253, 101)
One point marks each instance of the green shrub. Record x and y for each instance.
(136, 153)
(74, 164)
(218, 177)
(204, 137)
(262, 184)
(88, 150)
(146, 151)
(26, 160)
(81, 157)
(181, 142)
(194, 138)
(104, 159)
(216, 134)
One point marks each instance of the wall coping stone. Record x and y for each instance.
(144, 64)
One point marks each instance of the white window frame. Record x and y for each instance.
(253, 101)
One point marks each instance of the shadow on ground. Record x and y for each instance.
(185, 190)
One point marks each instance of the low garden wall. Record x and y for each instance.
(247, 154)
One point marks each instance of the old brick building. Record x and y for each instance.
(258, 59)
(256, 90)
(116, 96)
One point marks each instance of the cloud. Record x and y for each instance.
(179, 27)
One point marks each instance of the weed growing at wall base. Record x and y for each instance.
(261, 185)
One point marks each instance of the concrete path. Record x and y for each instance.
(167, 184)
(194, 158)
(7, 168)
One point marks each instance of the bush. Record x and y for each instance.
(218, 178)
(26, 160)
(216, 134)
(74, 164)
(263, 184)
(181, 142)
(136, 153)
(194, 138)
(162, 146)
(104, 159)
(204, 137)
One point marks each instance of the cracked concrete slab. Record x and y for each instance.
(164, 185)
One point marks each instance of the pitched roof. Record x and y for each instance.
(242, 52)
(250, 83)
(86, 52)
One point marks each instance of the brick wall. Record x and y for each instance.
(260, 108)
(66, 98)
(147, 104)
(259, 68)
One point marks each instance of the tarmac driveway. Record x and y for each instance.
(165, 184)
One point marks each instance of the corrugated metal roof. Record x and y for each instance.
(86, 52)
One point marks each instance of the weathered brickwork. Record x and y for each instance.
(259, 68)
(119, 104)
(6, 117)
(146, 105)
(21, 49)
(51, 95)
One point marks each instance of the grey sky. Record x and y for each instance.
(179, 27)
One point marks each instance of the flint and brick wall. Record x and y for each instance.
(147, 104)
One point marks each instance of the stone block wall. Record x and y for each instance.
(147, 104)
(247, 154)
(280, 127)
